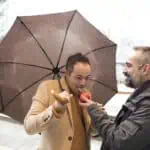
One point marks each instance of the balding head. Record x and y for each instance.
(137, 69)
(144, 54)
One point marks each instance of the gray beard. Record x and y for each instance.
(130, 83)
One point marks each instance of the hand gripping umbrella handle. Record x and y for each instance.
(62, 100)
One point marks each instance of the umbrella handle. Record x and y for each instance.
(60, 99)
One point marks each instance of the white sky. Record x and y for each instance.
(123, 21)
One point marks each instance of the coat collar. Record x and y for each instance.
(138, 95)
(142, 91)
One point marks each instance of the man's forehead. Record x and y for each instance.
(82, 70)
(134, 55)
(131, 54)
(80, 65)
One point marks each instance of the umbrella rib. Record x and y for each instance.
(65, 38)
(37, 42)
(1, 100)
(11, 62)
(54, 76)
(105, 85)
(96, 49)
(29, 86)
(62, 67)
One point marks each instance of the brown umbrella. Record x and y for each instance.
(36, 48)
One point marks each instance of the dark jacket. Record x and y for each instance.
(130, 130)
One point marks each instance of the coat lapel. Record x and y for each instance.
(69, 112)
(86, 117)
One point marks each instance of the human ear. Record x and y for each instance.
(147, 69)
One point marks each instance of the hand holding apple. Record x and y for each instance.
(85, 94)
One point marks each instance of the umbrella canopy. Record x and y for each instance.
(37, 47)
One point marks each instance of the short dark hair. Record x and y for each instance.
(75, 58)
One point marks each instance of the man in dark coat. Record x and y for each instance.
(130, 130)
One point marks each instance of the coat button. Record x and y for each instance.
(70, 138)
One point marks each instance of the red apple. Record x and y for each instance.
(85, 94)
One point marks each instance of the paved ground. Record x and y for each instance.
(13, 136)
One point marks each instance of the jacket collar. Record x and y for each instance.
(143, 90)
(138, 95)
(63, 83)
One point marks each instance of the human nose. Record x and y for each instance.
(83, 82)
(125, 68)
(126, 71)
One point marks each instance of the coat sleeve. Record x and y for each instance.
(132, 133)
(40, 113)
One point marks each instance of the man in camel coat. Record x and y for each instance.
(62, 126)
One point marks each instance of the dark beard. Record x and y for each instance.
(129, 81)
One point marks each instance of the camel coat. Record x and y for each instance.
(57, 134)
